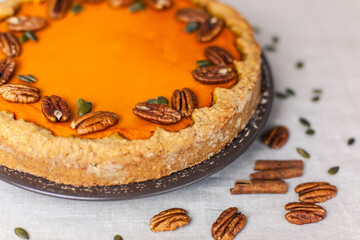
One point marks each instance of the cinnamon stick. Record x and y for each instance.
(261, 165)
(259, 186)
(282, 173)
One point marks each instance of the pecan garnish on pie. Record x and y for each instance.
(7, 66)
(214, 74)
(210, 29)
(315, 192)
(94, 122)
(157, 113)
(58, 8)
(192, 15)
(26, 23)
(19, 93)
(159, 4)
(184, 101)
(276, 137)
(303, 213)
(169, 220)
(121, 3)
(218, 56)
(228, 225)
(55, 109)
(9, 44)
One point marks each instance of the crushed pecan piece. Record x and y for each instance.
(26, 23)
(315, 192)
(210, 29)
(58, 8)
(228, 224)
(55, 109)
(19, 93)
(214, 74)
(157, 113)
(169, 220)
(276, 137)
(94, 122)
(121, 3)
(192, 15)
(184, 101)
(7, 66)
(9, 44)
(219, 56)
(303, 213)
(159, 4)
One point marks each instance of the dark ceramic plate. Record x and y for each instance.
(176, 180)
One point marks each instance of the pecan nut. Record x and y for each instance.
(55, 109)
(315, 192)
(7, 66)
(19, 93)
(228, 224)
(192, 15)
(58, 8)
(218, 56)
(184, 101)
(94, 122)
(214, 74)
(26, 23)
(9, 44)
(210, 29)
(169, 220)
(157, 113)
(303, 213)
(159, 4)
(121, 3)
(276, 137)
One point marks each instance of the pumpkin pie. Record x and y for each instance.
(106, 93)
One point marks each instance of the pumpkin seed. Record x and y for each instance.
(275, 39)
(351, 141)
(84, 107)
(118, 237)
(317, 91)
(281, 95)
(289, 92)
(270, 48)
(23, 38)
(77, 8)
(316, 99)
(304, 122)
(299, 65)
(192, 27)
(21, 233)
(159, 100)
(138, 6)
(29, 78)
(303, 153)
(310, 131)
(203, 63)
(30, 35)
(333, 170)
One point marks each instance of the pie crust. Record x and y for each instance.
(24, 146)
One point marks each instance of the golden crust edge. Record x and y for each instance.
(110, 161)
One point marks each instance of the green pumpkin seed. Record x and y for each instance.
(138, 6)
(316, 99)
(275, 39)
(159, 100)
(333, 170)
(351, 141)
(118, 237)
(317, 91)
(310, 131)
(303, 153)
(281, 95)
(299, 65)
(21, 233)
(23, 38)
(28, 78)
(290, 92)
(304, 122)
(270, 48)
(77, 8)
(84, 107)
(203, 63)
(192, 27)
(30, 35)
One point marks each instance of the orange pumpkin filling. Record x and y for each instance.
(114, 59)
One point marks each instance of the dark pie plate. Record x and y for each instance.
(153, 187)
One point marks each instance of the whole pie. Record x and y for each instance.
(106, 93)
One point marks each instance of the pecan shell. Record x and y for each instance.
(228, 224)
(315, 192)
(9, 44)
(55, 109)
(7, 67)
(121, 3)
(304, 213)
(192, 15)
(214, 74)
(157, 113)
(26, 23)
(184, 101)
(169, 220)
(19, 93)
(58, 8)
(159, 4)
(94, 122)
(276, 137)
(210, 29)
(219, 56)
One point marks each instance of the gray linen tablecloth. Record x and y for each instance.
(325, 35)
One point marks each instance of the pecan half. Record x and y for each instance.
(157, 113)
(210, 29)
(19, 93)
(184, 101)
(9, 44)
(219, 56)
(58, 8)
(26, 23)
(7, 66)
(55, 109)
(315, 192)
(276, 137)
(228, 224)
(121, 3)
(303, 213)
(159, 4)
(192, 15)
(214, 74)
(169, 220)
(94, 122)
